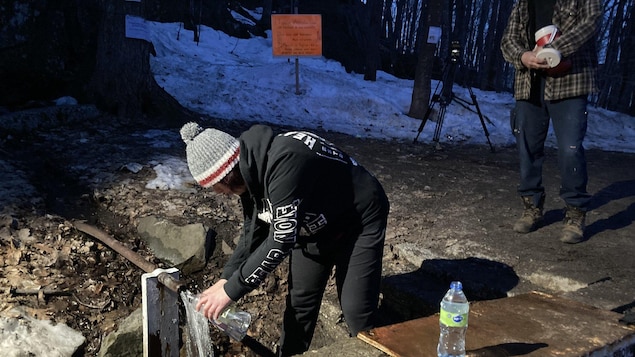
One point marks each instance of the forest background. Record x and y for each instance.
(78, 48)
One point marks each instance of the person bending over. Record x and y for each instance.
(304, 198)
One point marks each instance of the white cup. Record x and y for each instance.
(546, 35)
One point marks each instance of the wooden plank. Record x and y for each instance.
(531, 324)
(409, 338)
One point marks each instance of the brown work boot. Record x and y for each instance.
(532, 215)
(573, 230)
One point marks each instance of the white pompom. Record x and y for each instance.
(189, 131)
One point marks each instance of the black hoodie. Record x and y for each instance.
(301, 189)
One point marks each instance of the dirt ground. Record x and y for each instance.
(458, 202)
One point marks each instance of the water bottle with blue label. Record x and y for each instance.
(453, 322)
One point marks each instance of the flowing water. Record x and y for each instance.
(198, 341)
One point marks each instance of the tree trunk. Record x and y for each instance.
(626, 97)
(340, 27)
(374, 11)
(421, 89)
(265, 20)
(122, 82)
(498, 81)
(93, 60)
(41, 59)
(486, 70)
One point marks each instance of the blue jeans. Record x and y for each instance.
(531, 124)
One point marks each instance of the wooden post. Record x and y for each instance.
(160, 315)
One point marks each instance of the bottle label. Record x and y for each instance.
(452, 320)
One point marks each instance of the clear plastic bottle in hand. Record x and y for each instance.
(453, 318)
(234, 322)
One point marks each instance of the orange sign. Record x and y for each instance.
(296, 35)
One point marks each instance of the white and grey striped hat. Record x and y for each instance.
(211, 153)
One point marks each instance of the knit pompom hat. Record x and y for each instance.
(211, 153)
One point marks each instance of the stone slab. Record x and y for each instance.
(21, 334)
(531, 324)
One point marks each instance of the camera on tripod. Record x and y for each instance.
(449, 72)
(445, 96)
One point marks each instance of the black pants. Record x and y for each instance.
(357, 260)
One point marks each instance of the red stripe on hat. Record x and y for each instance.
(204, 182)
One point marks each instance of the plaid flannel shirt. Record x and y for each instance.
(578, 22)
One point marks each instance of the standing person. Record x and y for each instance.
(304, 198)
(560, 94)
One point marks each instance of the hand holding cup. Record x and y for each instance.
(552, 57)
(544, 37)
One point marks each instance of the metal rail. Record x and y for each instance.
(164, 278)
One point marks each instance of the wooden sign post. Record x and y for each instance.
(295, 35)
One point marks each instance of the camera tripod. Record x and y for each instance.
(445, 97)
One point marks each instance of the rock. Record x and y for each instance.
(185, 247)
(8, 221)
(67, 100)
(23, 335)
(47, 117)
(127, 340)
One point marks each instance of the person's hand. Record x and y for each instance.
(214, 300)
(530, 60)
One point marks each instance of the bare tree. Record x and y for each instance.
(495, 78)
(423, 75)
(122, 82)
(398, 56)
(341, 32)
(92, 59)
(617, 74)
(373, 17)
